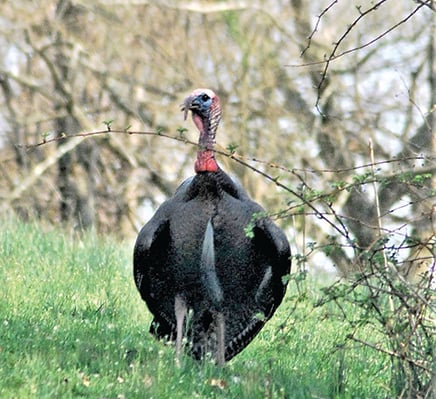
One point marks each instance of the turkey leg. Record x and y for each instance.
(220, 326)
(180, 311)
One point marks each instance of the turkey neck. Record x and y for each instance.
(211, 186)
(205, 156)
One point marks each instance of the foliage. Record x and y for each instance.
(403, 315)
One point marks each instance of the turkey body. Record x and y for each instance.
(211, 249)
(168, 254)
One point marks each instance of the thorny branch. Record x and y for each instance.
(230, 154)
(340, 227)
(186, 141)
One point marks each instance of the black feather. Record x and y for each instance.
(243, 280)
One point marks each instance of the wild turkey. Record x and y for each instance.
(210, 251)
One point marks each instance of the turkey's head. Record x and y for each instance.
(206, 114)
(201, 102)
(206, 110)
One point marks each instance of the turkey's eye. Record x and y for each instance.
(205, 97)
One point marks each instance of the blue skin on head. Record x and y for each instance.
(199, 102)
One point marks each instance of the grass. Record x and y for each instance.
(72, 325)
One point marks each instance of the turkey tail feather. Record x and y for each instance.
(213, 290)
(209, 277)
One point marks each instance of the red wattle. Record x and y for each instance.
(205, 162)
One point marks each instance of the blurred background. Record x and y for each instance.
(305, 87)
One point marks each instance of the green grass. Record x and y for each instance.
(72, 325)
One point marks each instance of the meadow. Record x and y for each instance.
(72, 325)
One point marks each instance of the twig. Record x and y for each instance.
(388, 352)
(227, 154)
(333, 56)
(315, 29)
(183, 139)
(94, 133)
(377, 202)
(379, 219)
(40, 168)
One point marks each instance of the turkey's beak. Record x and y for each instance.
(188, 105)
